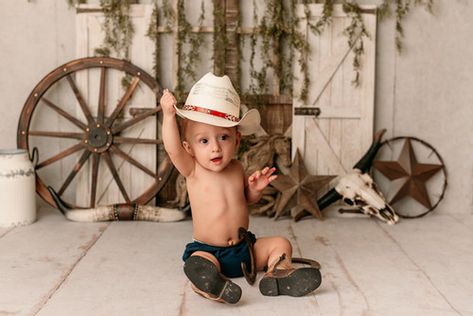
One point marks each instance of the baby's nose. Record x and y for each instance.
(216, 146)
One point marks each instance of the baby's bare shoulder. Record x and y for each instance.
(236, 166)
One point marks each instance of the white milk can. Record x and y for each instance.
(17, 188)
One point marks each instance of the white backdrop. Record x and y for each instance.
(425, 92)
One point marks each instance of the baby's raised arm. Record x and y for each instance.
(257, 182)
(171, 138)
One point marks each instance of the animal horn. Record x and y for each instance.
(328, 198)
(117, 212)
(364, 164)
(60, 204)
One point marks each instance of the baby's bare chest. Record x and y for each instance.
(214, 186)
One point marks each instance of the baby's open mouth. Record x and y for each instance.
(216, 159)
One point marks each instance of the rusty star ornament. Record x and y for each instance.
(299, 188)
(408, 176)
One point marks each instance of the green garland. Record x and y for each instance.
(402, 9)
(118, 28)
(253, 41)
(153, 34)
(324, 20)
(195, 40)
(276, 29)
(187, 60)
(355, 33)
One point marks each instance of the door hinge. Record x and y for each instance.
(307, 111)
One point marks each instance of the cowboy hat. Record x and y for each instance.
(213, 100)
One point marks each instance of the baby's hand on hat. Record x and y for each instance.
(261, 178)
(168, 101)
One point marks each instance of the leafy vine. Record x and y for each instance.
(119, 31)
(153, 33)
(118, 28)
(355, 33)
(276, 30)
(402, 9)
(190, 58)
(169, 19)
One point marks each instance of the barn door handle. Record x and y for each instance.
(306, 111)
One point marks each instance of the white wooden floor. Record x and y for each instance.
(417, 267)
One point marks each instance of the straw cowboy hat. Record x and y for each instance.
(213, 100)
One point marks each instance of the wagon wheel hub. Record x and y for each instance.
(98, 138)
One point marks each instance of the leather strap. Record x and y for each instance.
(249, 239)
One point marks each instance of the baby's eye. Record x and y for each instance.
(224, 137)
(203, 141)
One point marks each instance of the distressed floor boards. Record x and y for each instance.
(417, 267)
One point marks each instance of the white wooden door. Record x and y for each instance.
(332, 142)
(90, 35)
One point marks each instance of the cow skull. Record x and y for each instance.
(358, 189)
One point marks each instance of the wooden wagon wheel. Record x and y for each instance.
(96, 134)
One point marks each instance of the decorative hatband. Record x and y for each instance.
(195, 108)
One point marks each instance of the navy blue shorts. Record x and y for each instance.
(230, 258)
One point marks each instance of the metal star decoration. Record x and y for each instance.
(408, 176)
(300, 188)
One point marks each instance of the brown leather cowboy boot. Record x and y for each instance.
(292, 282)
(210, 283)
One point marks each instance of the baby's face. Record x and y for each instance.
(213, 147)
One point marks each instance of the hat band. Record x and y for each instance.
(226, 116)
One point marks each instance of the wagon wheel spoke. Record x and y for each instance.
(131, 140)
(128, 158)
(129, 92)
(80, 99)
(101, 107)
(62, 154)
(135, 120)
(113, 170)
(64, 114)
(75, 170)
(95, 171)
(56, 134)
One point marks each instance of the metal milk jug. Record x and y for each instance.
(17, 188)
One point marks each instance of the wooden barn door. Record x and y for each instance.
(332, 142)
(90, 36)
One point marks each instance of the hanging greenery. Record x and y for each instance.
(195, 40)
(401, 8)
(153, 34)
(117, 27)
(189, 58)
(169, 19)
(355, 32)
(275, 30)
(118, 30)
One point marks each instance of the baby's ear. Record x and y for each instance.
(187, 147)
(238, 139)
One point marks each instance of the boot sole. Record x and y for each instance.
(205, 276)
(301, 282)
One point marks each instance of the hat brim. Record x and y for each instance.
(248, 124)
